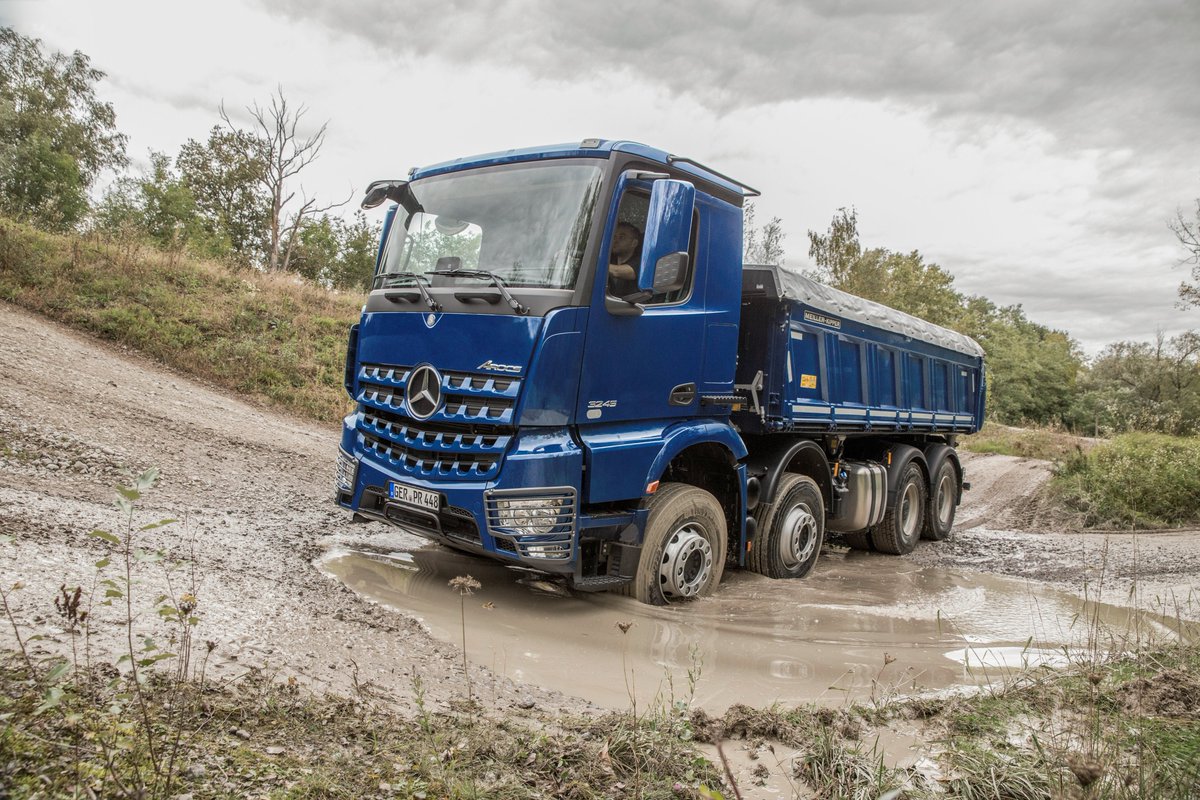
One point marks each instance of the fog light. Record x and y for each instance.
(547, 550)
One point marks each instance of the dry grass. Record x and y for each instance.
(272, 337)
(1047, 444)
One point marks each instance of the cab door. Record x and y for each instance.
(645, 364)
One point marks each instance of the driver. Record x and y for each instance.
(624, 257)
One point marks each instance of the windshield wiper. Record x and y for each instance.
(484, 274)
(419, 280)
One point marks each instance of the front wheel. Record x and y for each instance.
(790, 533)
(901, 526)
(683, 550)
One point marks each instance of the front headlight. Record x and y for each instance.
(534, 516)
(346, 471)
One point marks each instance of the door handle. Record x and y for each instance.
(683, 395)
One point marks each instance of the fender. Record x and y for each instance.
(623, 458)
(683, 435)
(902, 455)
(935, 454)
(773, 454)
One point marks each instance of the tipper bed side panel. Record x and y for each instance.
(824, 372)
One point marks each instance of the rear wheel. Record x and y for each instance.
(943, 502)
(900, 529)
(683, 550)
(791, 531)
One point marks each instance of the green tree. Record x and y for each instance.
(225, 175)
(1032, 369)
(158, 205)
(1145, 386)
(359, 245)
(837, 253)
(336, 254)
(317, 249)
(904, 281)
(55, 136)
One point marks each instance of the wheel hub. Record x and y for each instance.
(910, 510)
(797, 536)
(686, 562)
(945, 499)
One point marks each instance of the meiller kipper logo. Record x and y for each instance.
(821, 319)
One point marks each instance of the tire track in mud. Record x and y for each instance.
(1006, 492)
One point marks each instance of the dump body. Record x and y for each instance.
(831, 361)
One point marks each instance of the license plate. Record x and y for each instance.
(413, 496)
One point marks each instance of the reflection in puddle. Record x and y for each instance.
(857, 624)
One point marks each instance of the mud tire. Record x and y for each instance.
(901, 527)
(942, 504)
(673, 508)
(774, 553)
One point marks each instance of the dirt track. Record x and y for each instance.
(1002, 527)
(253, 490)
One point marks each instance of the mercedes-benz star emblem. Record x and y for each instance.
(424, 392)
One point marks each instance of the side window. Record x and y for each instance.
(625, 250)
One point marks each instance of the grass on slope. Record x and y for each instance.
(270, 336)
(1046, 444)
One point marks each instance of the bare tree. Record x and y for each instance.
(285, 152)
(1188, 234)
(761, 245)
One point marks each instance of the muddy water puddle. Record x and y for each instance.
(860, 625)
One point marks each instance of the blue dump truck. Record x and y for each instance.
(564, 364)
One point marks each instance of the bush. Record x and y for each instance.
(1139, 480)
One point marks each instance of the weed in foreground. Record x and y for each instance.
(465, 585)
(112, 737)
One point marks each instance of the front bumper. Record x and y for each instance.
(529, 513)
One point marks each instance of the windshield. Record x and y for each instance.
(526, 223)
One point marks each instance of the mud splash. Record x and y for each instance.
(860, 626)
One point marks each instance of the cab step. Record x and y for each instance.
(598, 583)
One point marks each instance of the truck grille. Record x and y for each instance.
(467, 398)
(465, 438)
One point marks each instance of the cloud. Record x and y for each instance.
(1096, 71)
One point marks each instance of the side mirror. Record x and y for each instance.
(379, 191)
(668, 232)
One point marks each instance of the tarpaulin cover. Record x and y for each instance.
(794, 286)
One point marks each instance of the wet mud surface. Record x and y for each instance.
(859, 627)
(287, 584)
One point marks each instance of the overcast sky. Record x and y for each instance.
(1035, 150)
